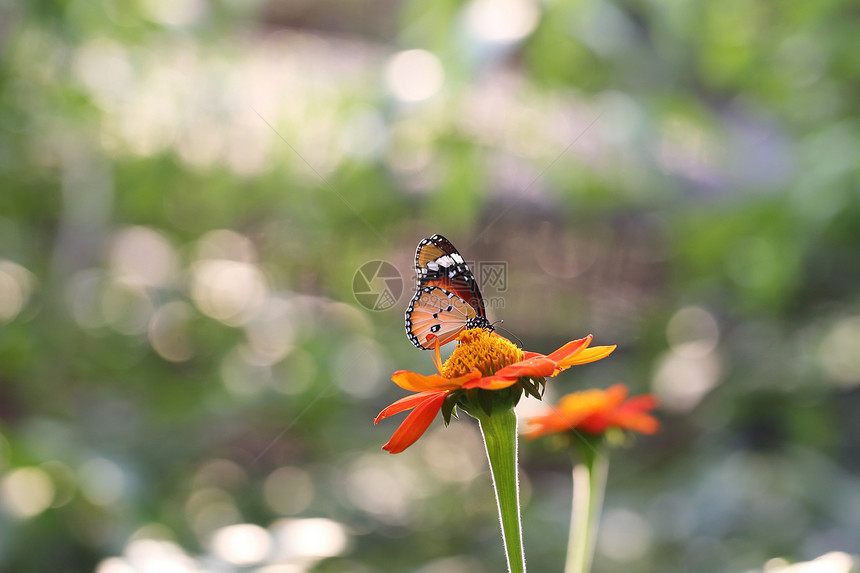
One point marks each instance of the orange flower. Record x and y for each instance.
(595, 411)
(483, 360)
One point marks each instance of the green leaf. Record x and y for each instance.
(449, 407)
(530, 389)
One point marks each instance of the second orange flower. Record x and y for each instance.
(596, 411)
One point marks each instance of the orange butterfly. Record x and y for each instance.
(447, 299)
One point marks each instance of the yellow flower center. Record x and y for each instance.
(481, 349)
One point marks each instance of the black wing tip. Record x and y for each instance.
(438, 240)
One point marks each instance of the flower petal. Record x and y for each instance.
(614, 396)
(529, 355)
(416, 423)
(633, 414)
(534, 367)
(495, 382)
(406, 403)
(586, 355)
(638, 422)
(549, 423)
(594, 411)
(586, 402)
(570, 348)
(596, 423)
(415, 382)
(642, 403)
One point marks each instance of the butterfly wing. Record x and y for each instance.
(439, 264)
(437, 313)
(447, 298)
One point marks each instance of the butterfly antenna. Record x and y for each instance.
(520, 342)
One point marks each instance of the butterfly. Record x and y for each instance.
(447, 299)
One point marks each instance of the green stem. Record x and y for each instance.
(589, 483)
(500, 439)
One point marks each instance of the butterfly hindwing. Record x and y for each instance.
(436, 313)
(447, 298)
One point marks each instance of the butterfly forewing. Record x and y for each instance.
(430, 250)
(438, 263)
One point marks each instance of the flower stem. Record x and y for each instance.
(589, 484)
(500, 439)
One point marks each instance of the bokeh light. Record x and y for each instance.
(125, 307)
(414, 75)
(27, 491)
(692, 331)
(16, 286)
(229, 291)
(502, 20)
(151, 555)
(209, 509)
(271, 332)
(312, 538)
(241, 544)
(288, 490)
(624, 535)
(168, 331)
(833, 562)
(142, 256)
(383, 487)
(682, 381)
(181, 14)
(838, 352)
(102, 481)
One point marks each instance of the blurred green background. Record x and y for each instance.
(189, 188)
